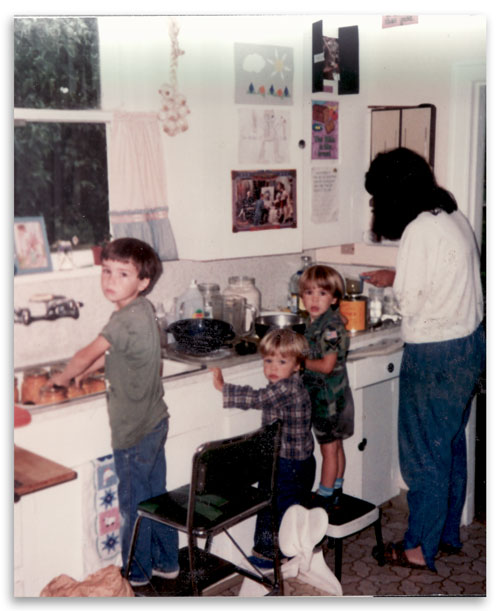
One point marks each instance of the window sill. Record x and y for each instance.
(83, 267)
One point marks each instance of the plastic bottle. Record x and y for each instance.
(190, 303)
(161, 318)
(294, 301)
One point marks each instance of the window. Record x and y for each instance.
(60, 164)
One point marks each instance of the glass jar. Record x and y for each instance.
(354, 309)
(375, 306)
(210, 293)
(244, 286)
(33, 380)
(52, 394)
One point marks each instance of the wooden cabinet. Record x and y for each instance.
(412, 127)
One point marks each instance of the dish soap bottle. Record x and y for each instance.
(294, 302)
(190, 303)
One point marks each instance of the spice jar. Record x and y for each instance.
(33, 380)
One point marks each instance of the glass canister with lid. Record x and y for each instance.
(244, 286)
(211, 298)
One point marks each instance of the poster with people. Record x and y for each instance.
(264, 199)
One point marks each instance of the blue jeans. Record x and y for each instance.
(437, 383)
(142, 473)
(293, 487)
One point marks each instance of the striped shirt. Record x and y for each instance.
(286, 400)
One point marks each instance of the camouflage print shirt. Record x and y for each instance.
(326, 335)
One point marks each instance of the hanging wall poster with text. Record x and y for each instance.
(324, 196)
(325, 130)
(263, 74)
(265, 199)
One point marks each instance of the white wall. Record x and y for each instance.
(402, 65)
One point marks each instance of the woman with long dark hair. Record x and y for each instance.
(438, 291)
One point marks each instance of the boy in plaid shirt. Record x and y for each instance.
(283, 352)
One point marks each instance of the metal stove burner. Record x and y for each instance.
(215, 355)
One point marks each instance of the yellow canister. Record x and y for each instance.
(354, 309)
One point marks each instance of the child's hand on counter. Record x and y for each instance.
(218, 378)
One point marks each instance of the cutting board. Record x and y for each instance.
(33, 472)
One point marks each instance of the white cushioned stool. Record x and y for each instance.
(352, 516)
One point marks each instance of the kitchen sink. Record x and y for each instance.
(172, 367)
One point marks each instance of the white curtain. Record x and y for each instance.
(137, 184)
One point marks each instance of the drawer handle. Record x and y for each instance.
(390, 367)
(362, 445)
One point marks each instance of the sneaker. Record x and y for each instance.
(166, 574)
(337, 498)
(138, 583)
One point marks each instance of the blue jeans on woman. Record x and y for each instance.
(293, 487)
(142, 473)
(437, 383)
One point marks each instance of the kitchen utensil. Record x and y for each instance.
(201, 335)
(233, 309)
(279, 320)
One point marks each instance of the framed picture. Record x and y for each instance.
(31, 247)
(265, 199)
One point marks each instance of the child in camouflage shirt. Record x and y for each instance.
(325, 377)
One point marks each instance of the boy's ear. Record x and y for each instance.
(143, 284)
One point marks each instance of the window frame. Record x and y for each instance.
(54, 115)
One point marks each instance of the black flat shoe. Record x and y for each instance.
(448, 549)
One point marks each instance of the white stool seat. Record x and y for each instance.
(352, 516)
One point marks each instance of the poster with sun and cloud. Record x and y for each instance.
(263, 74)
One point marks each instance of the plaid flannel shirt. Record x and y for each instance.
(286, 400)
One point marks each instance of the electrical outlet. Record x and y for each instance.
(347, 249)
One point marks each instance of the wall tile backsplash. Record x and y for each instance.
(46, 341)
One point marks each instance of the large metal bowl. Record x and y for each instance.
(279, 320)
(202, 335)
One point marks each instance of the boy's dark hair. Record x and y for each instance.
(403, 185)
(140, 254)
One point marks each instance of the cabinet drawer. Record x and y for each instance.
(374, 369)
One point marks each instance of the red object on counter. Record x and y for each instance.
(22, 417)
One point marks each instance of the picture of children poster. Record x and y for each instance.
(325, 130)
(264, 136)
(264, 199)
(263, 74)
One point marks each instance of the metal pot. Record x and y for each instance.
(200, 335)
(279, 320)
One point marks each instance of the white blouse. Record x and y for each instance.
(437, 284)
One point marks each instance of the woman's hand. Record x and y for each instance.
(380, 277)
(218, 379)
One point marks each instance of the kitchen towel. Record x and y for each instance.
(300, 531)
(101, 514)
(137, 185)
